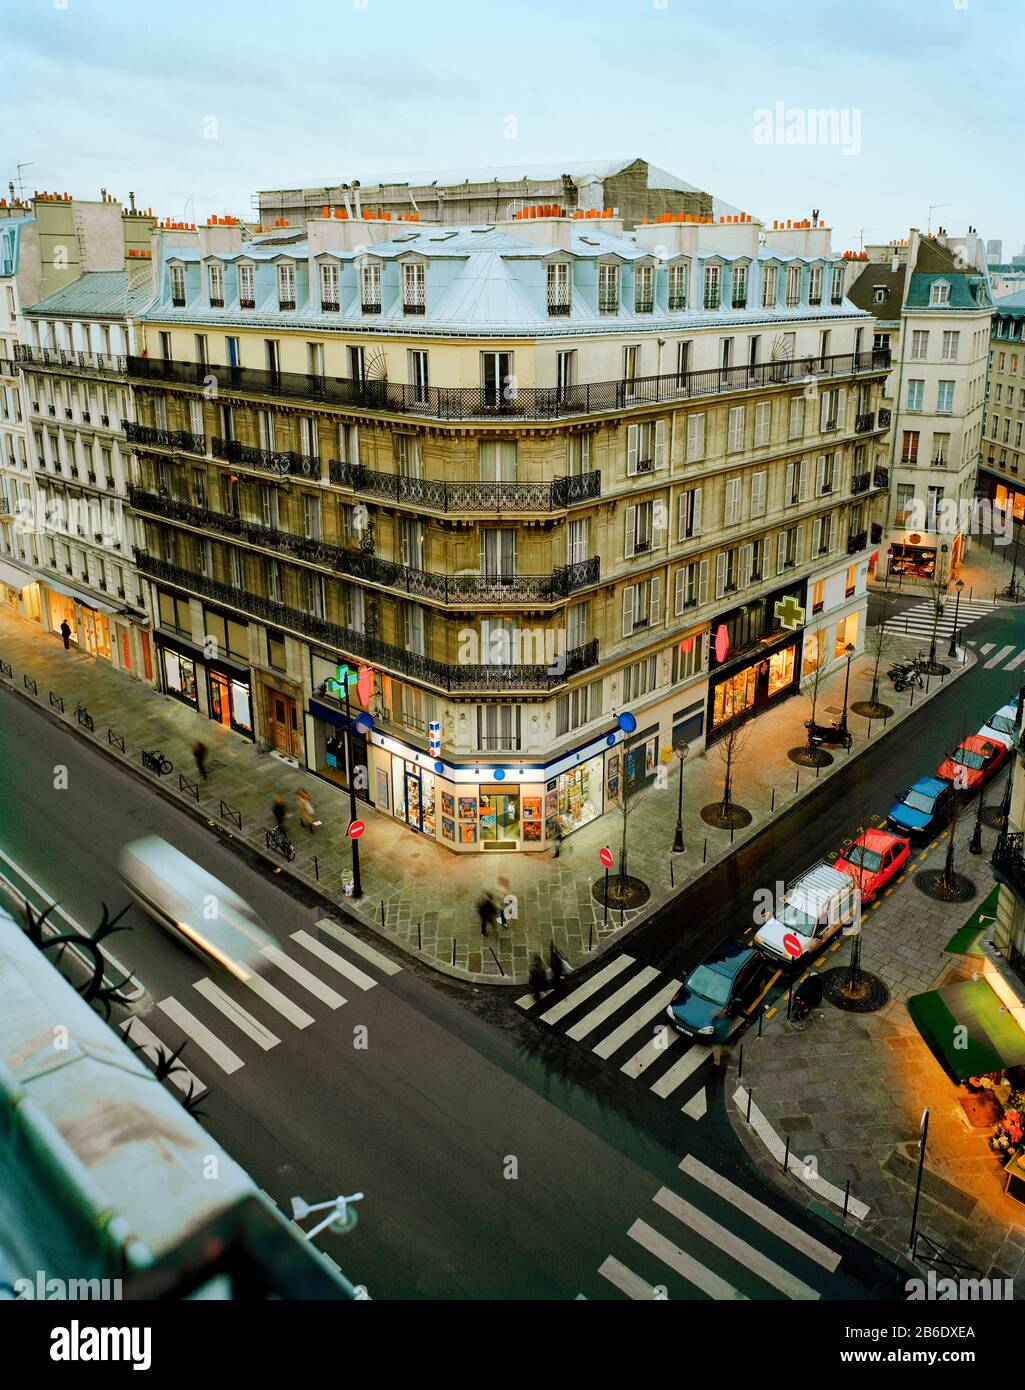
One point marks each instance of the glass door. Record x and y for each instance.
(220, 704)
(500, 816)
(414, 800)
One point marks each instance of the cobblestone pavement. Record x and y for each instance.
(849, 1090)
(416, 893)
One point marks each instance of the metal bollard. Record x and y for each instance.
(704, 854)
(846, 1197)
(740, 1062)
(316, 869)
(786, 1156)
(750, 1098)
(772, 803)
(672, 876)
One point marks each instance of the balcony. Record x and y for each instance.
(286, 305)
(860, 483)
(217, 303)
(413, 306)
(181, 441)
(439, 496)
(885, 415)
(526, 402)
(863, 424)
(247, 303)
(448, 590)
(881, 477)
(644, 303)
(330, 306)
(284, 462)
(608, 303)
(425, 669)
(5, 506)
(370, 306)
(113, 364)
(1009, 862)
(558, 308)
(859, 541)
(876, 532)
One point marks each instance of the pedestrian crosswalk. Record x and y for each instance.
(223, 1015)
(992, 654)
(619, 1014)
(704, 1235)
(917, 621)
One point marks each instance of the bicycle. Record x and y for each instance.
(156, 762)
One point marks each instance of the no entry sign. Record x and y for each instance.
(791, 945)
(605, 855)
(356, 829)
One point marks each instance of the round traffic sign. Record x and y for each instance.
(791, 945)
(356, 829)
(605, 855)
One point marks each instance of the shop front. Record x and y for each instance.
(176, 663)
(19, 591)
(326, 751)
(756, 663)
(579, 792)
(230, 699)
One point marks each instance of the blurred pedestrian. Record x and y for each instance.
(497, 909)
(199, 753)
(537, 978)
(66, 634)
(279, 811)
(557, 962)
(557, 842)
(307, 815)
(486, 912)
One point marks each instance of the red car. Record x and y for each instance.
(874, 858)
(972, 762)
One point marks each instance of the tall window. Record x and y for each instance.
(558, 288)
(678, 285)
(945, 397)
(836, 297)
(739, 296)
(246, 287)
(793, 286)
(608, 289)
(407, 447)
(178, 285)
(215, 282)
(418, 378)
(919, 345)
(414, 298)
(330, 300)
(815, 285)
(370, 287)
(644, 289)
(939, 293)
(497, 459)
(286, 285)
(498, 552)
(909, 448)
(950, 348)
(713, 286)
(916, 394)
(770, 286)
(497, 378)
(578, 450)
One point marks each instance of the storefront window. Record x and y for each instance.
(915, 561)
(733, 696)
(180, 676)
(580, 795)
(500, 814)
(781, 670)
(240, 708)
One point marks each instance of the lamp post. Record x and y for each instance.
(959, 585)
(941, 583)
(344, 677)
(849, 651)
(681, 748)
(923, 1134)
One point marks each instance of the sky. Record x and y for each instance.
(195, 105)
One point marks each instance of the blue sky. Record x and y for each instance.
(123, 94)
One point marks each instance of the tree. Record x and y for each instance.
(938, 586)
(813, 677)
(878, 641)
(625, 802)
(730, 746)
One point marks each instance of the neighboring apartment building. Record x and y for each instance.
(67, 268)
(633, 188)
(930, 298)
(1001, 476)
(1003, 952)
(532, 476)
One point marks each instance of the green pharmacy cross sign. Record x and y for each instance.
(789, 612)
(343, 678)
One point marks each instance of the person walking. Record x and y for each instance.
(199, 753)
(279, 811)
(66, 634)
(557, 964)
(557, 842)
(486, 912)
(307, 815)
(537, 978)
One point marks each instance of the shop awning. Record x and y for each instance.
(16, 578)
(968, 1030)
(69, 592)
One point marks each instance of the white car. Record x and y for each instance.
(1000, 727)
(814, 909)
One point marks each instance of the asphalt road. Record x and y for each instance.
(492, 1168)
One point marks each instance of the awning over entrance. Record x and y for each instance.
(968, 1030)
(16, 578)
(87, 599)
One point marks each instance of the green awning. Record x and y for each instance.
(967, 1029)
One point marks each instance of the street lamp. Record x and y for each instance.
(959, 585)
(343, 678)
(339, 1217)
(849, 651)
(681, 748)
(941, 583)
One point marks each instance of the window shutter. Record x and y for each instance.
(789, 489)
(720, 574)
(660, 444)
(781, 543)
(802, 487)
(681, 524)
(824, 409)
(758, 494)
(696, 521)
(841, 406)
(629, 602)
(816, 535)
(632, 434)
(703, 582)
(658, 512)
(820, 475)
(631, 531)
(800, 544)
(695, 436)
(747, 560)
(655, 605)
(681, 590)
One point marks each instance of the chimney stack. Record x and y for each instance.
(131, 201)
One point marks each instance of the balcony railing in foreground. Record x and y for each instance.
(426, 669)
(442, 496)
(525, 402)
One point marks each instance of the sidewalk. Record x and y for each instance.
(416, 894)
(848, 1092)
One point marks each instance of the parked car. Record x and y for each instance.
(874, 858)
(814, 909)
(923, 808)
(972, 762)
(1000, 727)
(715, 990)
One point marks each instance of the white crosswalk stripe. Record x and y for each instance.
(691, 1269)
(917, 621)
(1000, 656)
(677, 1074)
(218, 1052)
(1000, 659)
(317, 948)
(626, 1280)
(143, 1036)
(303, 977)
(346, 938)
(584, 991)
(252, 1027)
(655, 1006)
(598, 1015)
(272, 996)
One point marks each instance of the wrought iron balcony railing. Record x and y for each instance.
(864, 423)
(114, 363)
(5, 506)
(179, 440)
(857, 542)
(525, 402)
(284, 462)
(448, 590)
(861, 482)
(428, 670)
(881, 477)
(876, 532)
(438, 495)
(1009, 861)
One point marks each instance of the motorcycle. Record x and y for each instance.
(831, 734)
(904, 674)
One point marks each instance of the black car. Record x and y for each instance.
(715, 990)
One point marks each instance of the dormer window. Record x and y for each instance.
(879, 294)
(178, 286)
(329, 292)
(370, 287)
(215, 284)
(836, 297)
(286, 285)
(793, 286)
(815, 285)
(939, 293)
(713, 286)
(739, 295)
(678, 286)
(414, 295)
(558, 288)
(644, 289)
(608, 288)
(247, 287)
(770, 286)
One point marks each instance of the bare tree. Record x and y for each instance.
(625, 802)
(813, 678)
(730, 747)
(878, 642)
(938, 585)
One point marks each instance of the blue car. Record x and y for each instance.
(715, 990)
(923, 808)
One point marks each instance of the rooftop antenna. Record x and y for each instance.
(932, 209)
(25, 164)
